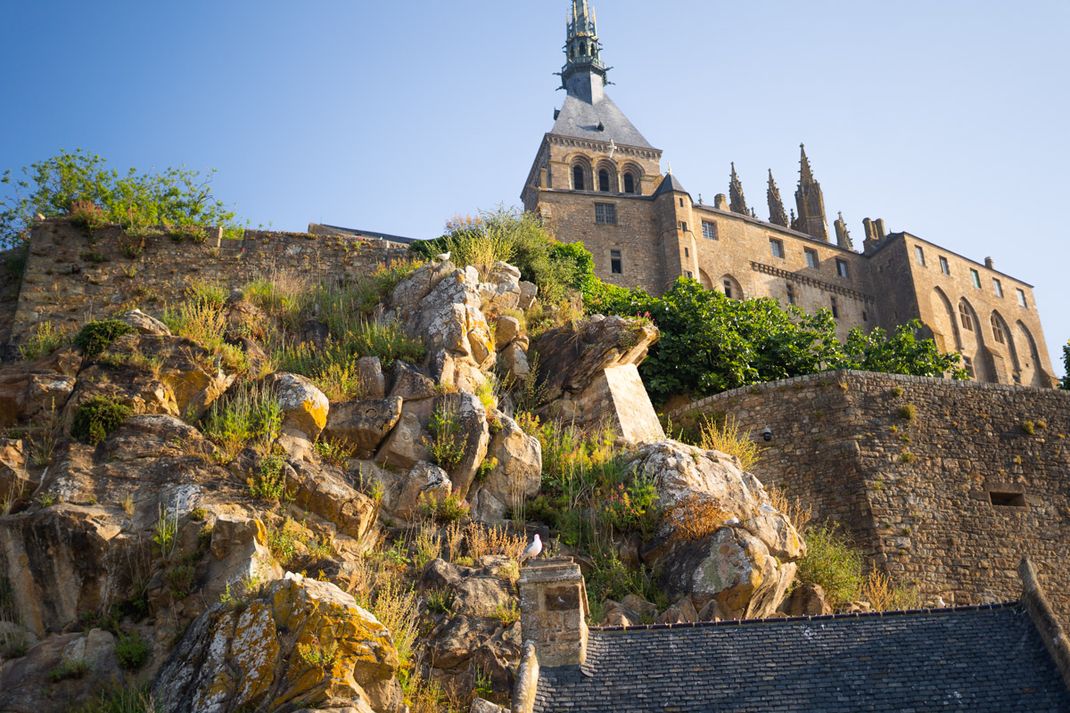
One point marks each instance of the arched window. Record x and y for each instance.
(731, 287)
(577, 178)
(603, 181)
(629, 183)
(964, 317)
(583, 49)
(998, 330)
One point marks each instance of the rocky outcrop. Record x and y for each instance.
(304, 407)
(515, 475)
(363, 424)
(588, 375)
(298, 644)
(721, 543)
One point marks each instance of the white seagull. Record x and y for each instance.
(533, 550)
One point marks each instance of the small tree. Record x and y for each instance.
(174, 199)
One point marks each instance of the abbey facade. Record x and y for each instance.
(597, 180)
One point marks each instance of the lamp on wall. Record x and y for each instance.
(767, 434)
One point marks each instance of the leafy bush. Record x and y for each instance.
(710, 343)
(95, 337)
(132, 651)
(268, 482)
(833, 564)
(68, 669)
(81, 184)
(519, 239)
(631, 507)
(97, 417)
(44, 340)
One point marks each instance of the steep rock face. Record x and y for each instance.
(27, 684)
(298, 644)
(588, 376)
(721, 542)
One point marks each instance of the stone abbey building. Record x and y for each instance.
(596, 179)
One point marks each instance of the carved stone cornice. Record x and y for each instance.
(813, 282)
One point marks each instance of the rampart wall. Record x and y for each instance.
(945, 484)
(72, 276)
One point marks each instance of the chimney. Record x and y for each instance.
(990, 263)
(553, 606)
(882, 232)
(720, 202)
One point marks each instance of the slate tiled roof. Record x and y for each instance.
(670, 184)
(981, 660)
(581, 120)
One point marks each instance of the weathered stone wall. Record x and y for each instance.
(945, 484)
(72, 277)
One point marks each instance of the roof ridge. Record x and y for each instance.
(794, 619)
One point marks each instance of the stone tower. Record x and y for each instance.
(777, 216)
(810, 201)
(737, 201)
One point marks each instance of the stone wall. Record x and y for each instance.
(72, 277)
(945, 484)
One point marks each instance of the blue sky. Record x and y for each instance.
(945, 117)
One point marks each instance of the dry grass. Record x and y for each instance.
(382, 591)
(484, 541)
(729, 437)
(798, 512)
(883, 595)
(696, 517)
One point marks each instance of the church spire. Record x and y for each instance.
(810, 201)
(777, 215)
(737, 201)
(584, 73)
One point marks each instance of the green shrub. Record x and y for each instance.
(269, 480)
(70, 182)
(387, 341)
(44, 340)
(710, 343)
(68, 669)
(1066, 366)
(249, 414)
(97, 417)
(447, 442)
(445, 511)
(95, 337)
(833, 564)
(131, 650)
(521, 240)
(1029, 428)
(908, 412)
(120, 700)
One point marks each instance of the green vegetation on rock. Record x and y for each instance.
(95, 337)
(1066, 366)
(97, 417)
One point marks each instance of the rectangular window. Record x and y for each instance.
(841, 268)
(811, 258)
(919, 255)
(690, 276)
(1021, 299)
(835, 308)
(976, 277)
(997, 286)
(967, 364)
(709, 230)
(791, 294)
(616, 262)
(683, 227)
(945, 266)
(605, 214)
(727, 284)
(777, 248)
(1007, 500)
(687, 252)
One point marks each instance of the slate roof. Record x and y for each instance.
(981, 660)
(670, 184)
(580, 120)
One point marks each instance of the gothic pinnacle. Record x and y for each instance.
(737, 201)
(777, 216)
